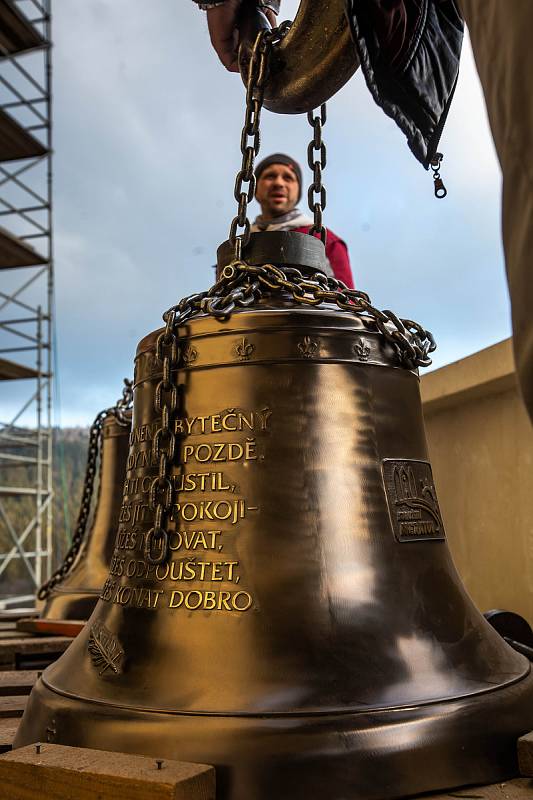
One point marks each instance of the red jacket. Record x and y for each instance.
(337, 254)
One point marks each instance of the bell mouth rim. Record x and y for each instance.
(318, 713)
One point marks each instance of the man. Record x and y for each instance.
(278, 190)
(409, 52)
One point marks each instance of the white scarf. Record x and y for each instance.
(287, 222)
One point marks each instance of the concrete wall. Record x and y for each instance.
(481, 447)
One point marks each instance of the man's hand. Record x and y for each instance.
(222, 23)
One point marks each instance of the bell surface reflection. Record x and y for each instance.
(303, 627)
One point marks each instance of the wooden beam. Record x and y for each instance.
(16, 142)
(11, 371)
(517, 789)
(51, 627)
(62, 773)
(15, 682)
(8, 729)
(13, 706)
(31, 652)
(15, 252)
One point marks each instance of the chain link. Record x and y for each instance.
(244, 190)
(317, 147)
(124, 404)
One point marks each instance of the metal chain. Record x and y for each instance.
(317, 146)
(251, 136)
(124, 404)
(167, 352)
(164, 442)
(242, 285)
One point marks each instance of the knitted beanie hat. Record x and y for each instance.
(280, 158)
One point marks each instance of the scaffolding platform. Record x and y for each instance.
(16, 142)
(11, 371)
(26, 298)
(15, 252)
(11, 436)
(17, 34)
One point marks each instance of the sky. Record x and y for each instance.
(146, 138)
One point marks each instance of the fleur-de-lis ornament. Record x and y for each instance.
(362, 350)
(308, 347)
(244, 349)
(189, 355)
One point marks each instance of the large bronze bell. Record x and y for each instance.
(73, 591)
(294, 616)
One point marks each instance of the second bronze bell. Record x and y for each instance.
(73, 591)
(298, 621)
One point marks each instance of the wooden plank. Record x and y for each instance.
(525, 754)
(58, 627)
(518, 789)
(16, 682)
(15, 252)
(13, 706)
(6, 635)
(11, 371)
(16, 142)
(31, 652)
(11, 615)
(17, 34)
(63, 773)
(8, 729)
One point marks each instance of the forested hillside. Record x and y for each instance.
(69, 460)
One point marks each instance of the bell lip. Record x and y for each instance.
(373, 755)
(327, 712)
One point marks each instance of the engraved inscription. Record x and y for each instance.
(412, 500)
(207, 509)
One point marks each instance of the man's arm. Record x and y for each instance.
(222, 20)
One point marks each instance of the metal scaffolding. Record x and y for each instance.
(26, 298)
